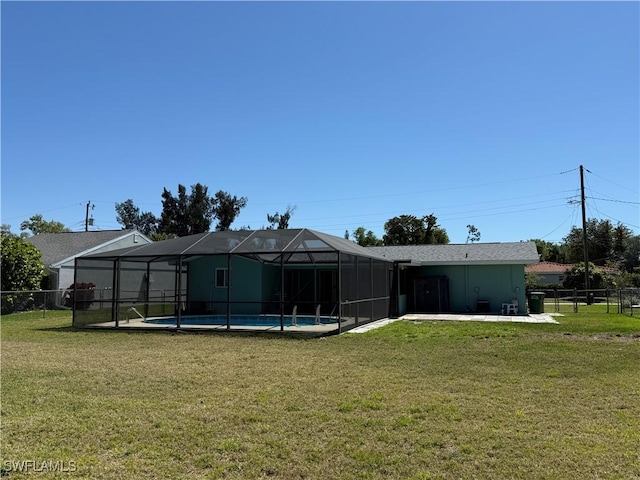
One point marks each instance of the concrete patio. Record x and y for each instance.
(459, 317)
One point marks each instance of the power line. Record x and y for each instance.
(616, 201)
(614, 183)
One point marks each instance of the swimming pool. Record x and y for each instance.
(242, 320)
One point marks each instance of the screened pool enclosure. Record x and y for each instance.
(278, 280)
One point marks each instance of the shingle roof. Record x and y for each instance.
(59, 246)
(561, 268)
(463, 254)
(548, 267)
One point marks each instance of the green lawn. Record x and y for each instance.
(437, 400)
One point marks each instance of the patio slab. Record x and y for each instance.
(475, 317)
(458, 317)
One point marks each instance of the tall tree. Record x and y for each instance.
(226, 208)
(186, 214)
(280, 221)
(129, 216)
(366, 238)
(37, 225)
(604, 242)
(411, 230)
(174, 219)
(473, 235)
(549, 251)
(621, 235)
(631, 255)
(200, 209)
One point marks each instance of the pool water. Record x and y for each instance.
(240, 320)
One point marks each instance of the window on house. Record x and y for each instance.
(222, 278)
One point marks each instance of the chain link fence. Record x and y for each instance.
(625, 301)
(621, 300)
(43, 300)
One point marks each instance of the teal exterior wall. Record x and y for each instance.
(468, 284)
(246, 282)
(201, 281)
(255, 287)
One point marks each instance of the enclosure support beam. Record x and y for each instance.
(339, 292)
(229, 291)
(282, 292)
(75, 282)
(146, 303)
(179, 292)
(116, 292)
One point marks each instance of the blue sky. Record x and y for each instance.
(354, 112)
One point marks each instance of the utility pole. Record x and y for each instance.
(584, 234)
(88, 221)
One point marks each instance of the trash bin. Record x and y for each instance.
(536, 302)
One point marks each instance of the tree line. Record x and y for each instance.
(197, 212)
(608, 245)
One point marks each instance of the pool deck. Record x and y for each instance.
(139, 324)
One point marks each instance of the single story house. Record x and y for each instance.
(548, 273)
(552, 273)
(59, 250)
(224, 277)
(472, 277)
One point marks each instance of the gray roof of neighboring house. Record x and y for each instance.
(60, 246)
(463, 254)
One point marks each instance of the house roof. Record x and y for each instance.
(301, 245)
(513, 253)
(548, 267)
(562, 268)
(56, 248)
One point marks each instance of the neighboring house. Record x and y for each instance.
(473, 277)
(551, 273)
(59, 250)
(548, 273)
